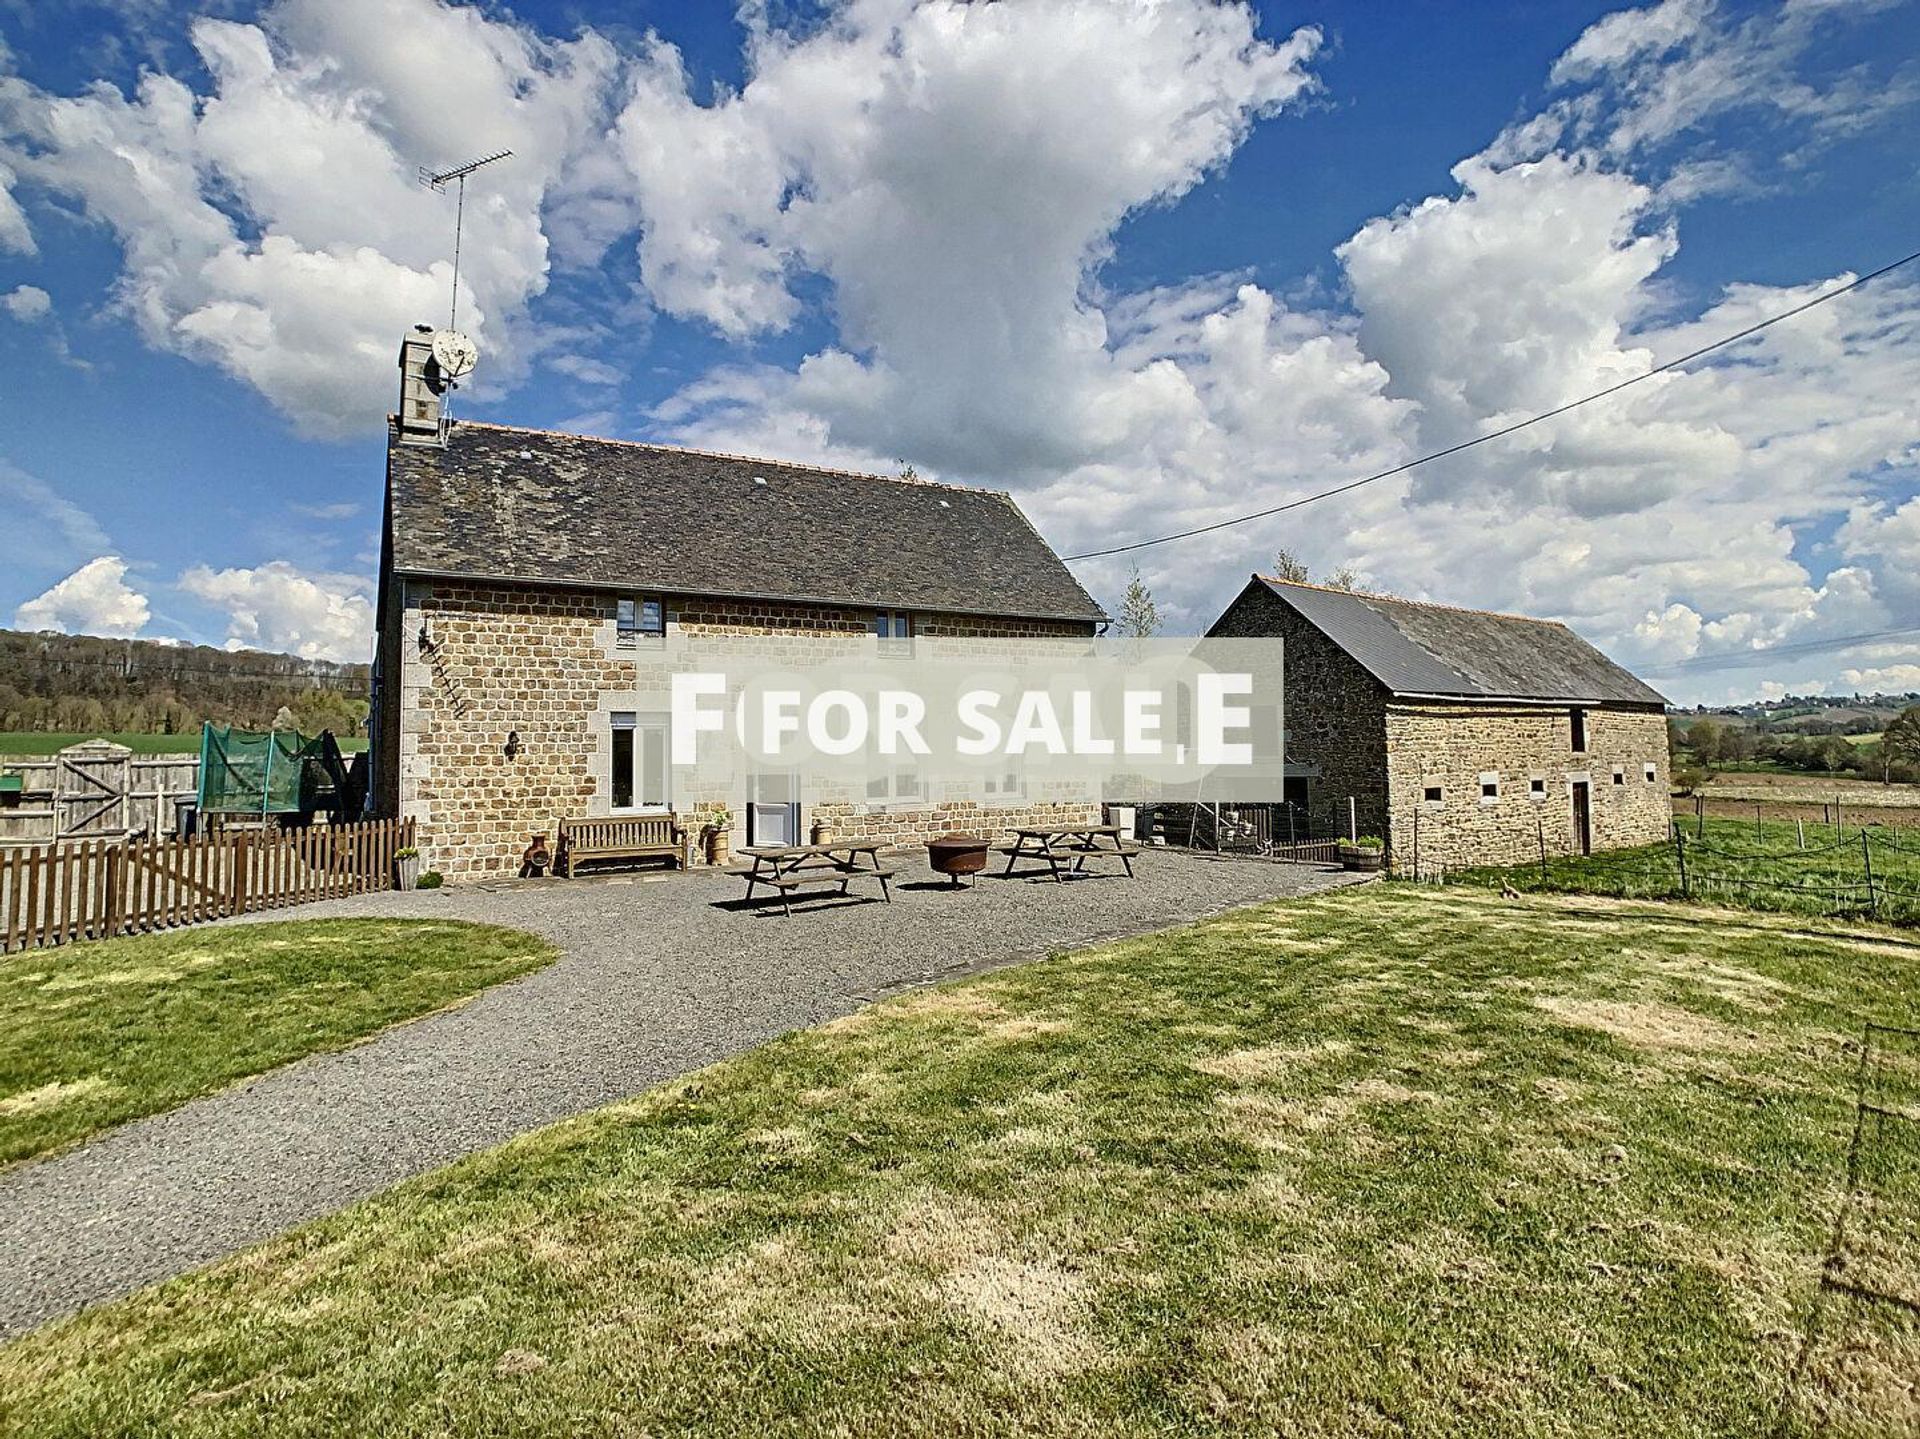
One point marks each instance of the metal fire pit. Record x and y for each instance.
(956, 854)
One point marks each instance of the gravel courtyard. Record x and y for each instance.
(658, 975)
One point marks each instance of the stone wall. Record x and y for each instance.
(1333, 711)
(1527, 750)
(543, 663)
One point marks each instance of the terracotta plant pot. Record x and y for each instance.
(718, 850)
(956, 854)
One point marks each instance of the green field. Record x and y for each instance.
(31, 743)
(92, 1035)
(27, 743)
(1740, 863)
(1388, 1161)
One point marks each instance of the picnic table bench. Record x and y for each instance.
(788, 867)
(1056, 844)
(648, 836)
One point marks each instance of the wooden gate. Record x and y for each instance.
(90, 791)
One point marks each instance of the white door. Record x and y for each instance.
(773, 809)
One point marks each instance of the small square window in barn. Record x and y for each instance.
(1489, 787)
(1537, 787)
(1619, 774)
(1652, 773)
(1433, 794)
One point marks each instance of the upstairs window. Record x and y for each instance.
(1434, 794)
(1619, 774)
(1537, 787)
(894, 630)
(1490, 787)
(638, 615)
(1652, 773)
(1579, 731)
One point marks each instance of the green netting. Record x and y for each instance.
(267, 772)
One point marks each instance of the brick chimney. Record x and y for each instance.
(421, 387)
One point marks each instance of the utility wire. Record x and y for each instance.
(1506, 430)
(1732, 659)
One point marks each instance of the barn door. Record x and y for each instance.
(1582, 817)
(90, 790)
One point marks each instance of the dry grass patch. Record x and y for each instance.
(1650, 1025)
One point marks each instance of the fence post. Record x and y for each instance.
(1800, 829)
(110, 886)
(1866, 854)
(1416, 844)
(1353, 821)
(240, 865)
(1680, 850)
(1756, 821)
(1700, 815)
(1540, 834)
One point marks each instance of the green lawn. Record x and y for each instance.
(92, 1035)
(1390, 1161)
(30, 743)
(1739, 863)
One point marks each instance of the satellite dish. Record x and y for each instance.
(454, 353)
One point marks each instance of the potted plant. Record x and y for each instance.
(1365, 853)
(718, 828)
(406, 867)
(822, 832)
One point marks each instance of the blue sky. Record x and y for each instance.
(1145, 268)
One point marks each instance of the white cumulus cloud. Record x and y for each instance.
(281, 608)
(94, 600)
(28, 304)
(272, 224)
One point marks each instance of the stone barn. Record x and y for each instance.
(1461, 735)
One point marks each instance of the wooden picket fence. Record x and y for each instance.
(96, 889)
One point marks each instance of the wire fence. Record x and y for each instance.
(1869, 871)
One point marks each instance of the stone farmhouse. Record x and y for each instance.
(1461, 737)
(526, 577)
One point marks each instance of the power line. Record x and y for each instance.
(1506, 430)
(1734, 659)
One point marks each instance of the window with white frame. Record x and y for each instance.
(895, 786)
(1619, 774)
(640, 767)
(1537, 787)
(638, 618)
(1489, 786)
(1433, 794)
(1653, 772)
(894, 630)
(1004, 784)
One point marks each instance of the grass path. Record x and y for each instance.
(93, 1035)
(1385, 1161)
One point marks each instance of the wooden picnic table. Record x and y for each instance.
(1057, 843)
(784, 868)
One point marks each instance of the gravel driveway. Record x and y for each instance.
(657, 976)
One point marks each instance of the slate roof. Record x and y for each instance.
(1425, 649)
(518, 505)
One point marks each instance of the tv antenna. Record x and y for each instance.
(437, 181)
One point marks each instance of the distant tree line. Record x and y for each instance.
(1893, 758)
(81, 683)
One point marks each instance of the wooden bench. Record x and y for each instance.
(647, 836)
